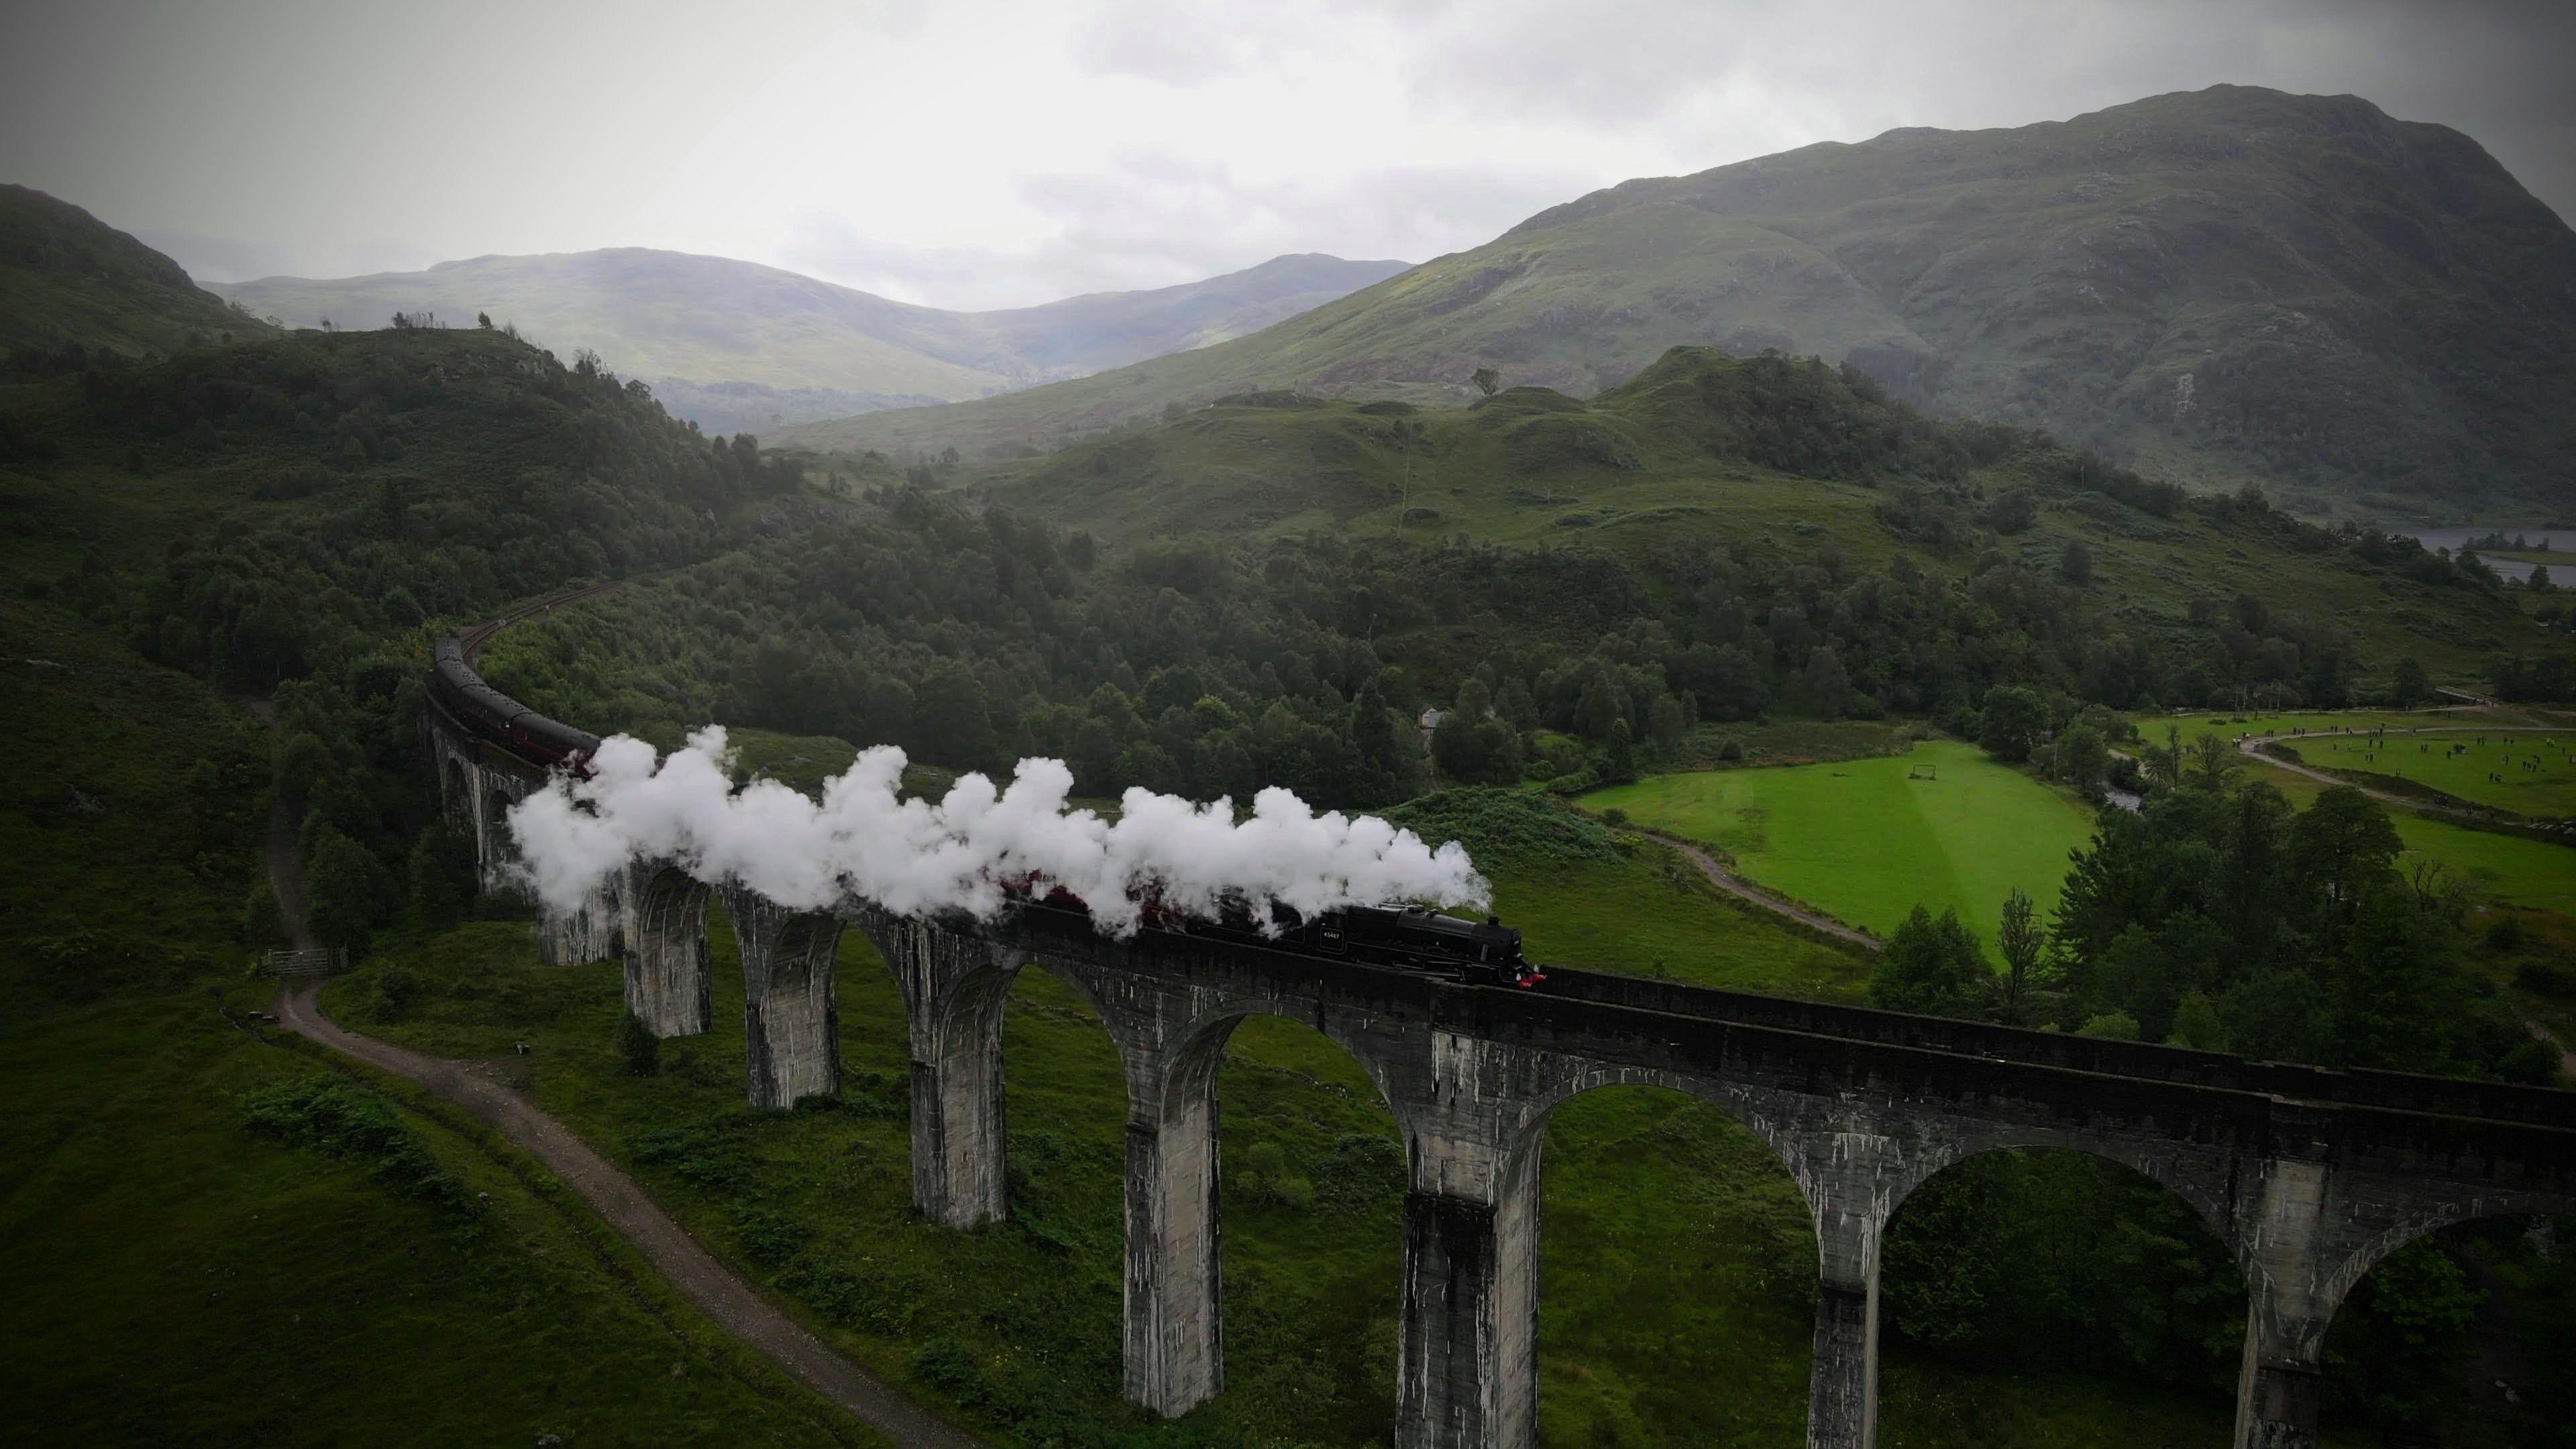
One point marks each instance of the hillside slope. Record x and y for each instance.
(733, 343)
(2364, 314)
(1763, 459)
(67, 277)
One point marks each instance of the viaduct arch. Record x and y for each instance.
(2309, 1176)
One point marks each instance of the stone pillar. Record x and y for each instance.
(791, 1030)
(587, 932)
(1175, 1324)
(1847, 1179)
(1467, 1351)
(952, 997)
(2290, 1300)
(496, 851)
(2276, 1396)
(666, 955)
(1842, 1384)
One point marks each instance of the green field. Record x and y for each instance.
(2527, 774)
(2501, 869)
(1942, 825)
(2229, 724)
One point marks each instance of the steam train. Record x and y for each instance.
(1409, 938)
(498, 717)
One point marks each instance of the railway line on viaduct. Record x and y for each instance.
(2308, 1176)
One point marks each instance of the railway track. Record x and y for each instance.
(473, 639)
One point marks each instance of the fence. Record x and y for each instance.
(320, 961)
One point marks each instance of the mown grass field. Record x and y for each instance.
(2228, 724)
(2527, 774)
(1942, 825)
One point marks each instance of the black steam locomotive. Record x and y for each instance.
(1487, 953)
(503, 720)
(1409, 938)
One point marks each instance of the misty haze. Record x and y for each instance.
(1393, 726)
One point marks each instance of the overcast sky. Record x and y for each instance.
(968, 154)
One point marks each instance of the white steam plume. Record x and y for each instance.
(911, 856)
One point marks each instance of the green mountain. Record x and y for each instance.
(68, 278)
(1768, 458)
(733, 344)
(2365, 315)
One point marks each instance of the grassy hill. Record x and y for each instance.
(311, 1253)
(1767, 458)
(2224, 285)
(733, 344)
(68, 278)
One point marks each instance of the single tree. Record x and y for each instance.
(483, 320)
(2012, 721)
(2075, 562)
(1619, 757)
(2083, 757)
(2018, 938)
(2214, 759)
(2540, 583)
(1487, 380)
(1928, 966)
(2411, 687)
(2164, 763)
(2196, 1024)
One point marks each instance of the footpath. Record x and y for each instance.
(1742, 889)
(733, 1303)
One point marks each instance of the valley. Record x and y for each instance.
(738, 347)
(1957, 535)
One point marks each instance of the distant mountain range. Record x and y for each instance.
(67, 277)
(2364, 315)
(734, 344)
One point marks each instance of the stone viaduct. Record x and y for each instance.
(2308, 1176)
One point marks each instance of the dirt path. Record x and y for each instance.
(1735, 885)
(734, 1304)
(2251, 745)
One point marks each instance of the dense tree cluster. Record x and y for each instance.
(977, 637)
(2218, 916)
(397, 479)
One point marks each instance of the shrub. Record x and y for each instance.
(944, 1363)
(344, 1121)
(397, 992)
(2545, 978)
(2505, 933)
(637, 1047)
(2111, 1026)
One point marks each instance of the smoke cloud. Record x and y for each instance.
(911, 856)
